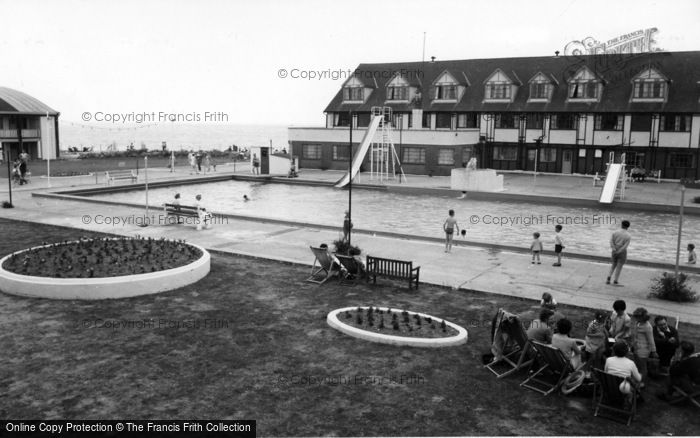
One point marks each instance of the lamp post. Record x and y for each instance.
(400, 141)
(9, 175)
(350, 184)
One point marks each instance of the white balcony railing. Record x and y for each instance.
(26, 133)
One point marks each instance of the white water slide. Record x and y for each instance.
(361, 151)
(607, 195)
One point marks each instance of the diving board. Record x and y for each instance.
(361, 151)
(612, 178)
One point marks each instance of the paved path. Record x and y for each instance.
(578, 282)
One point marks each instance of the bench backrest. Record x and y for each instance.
(177, 207)
(121, 174)
(398, 268)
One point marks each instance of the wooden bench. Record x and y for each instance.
(396, 269)
(116, 175)
(180, 210)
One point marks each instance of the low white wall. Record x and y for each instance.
(459, 339)
(479, 180)
(107, 287)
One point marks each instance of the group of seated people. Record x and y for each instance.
(622, 345)
(638, 174)
(336, 264)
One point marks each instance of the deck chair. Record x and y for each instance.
(509, 345)
(611, 401)
(326, 267)
(554, 367)
(354, 271)
(692, 397)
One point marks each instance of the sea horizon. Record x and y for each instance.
(181, 136)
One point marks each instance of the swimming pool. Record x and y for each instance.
(586, 230)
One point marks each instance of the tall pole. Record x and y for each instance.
(9, 174)
(350, 184)
(48, 156)
(423, 46)
(680, 230)
(145, 172)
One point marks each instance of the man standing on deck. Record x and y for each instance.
(450, 226)
(619, 242)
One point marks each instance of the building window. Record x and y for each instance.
(397, 93)
(363, 120)
(446, 157)
(641, 122)
(445, 92)
(341, 152)
(634, 159)
(609, 122)
(535, 120)
(506, 121)
(598, 153)
(443, 121)
(498, 91)
(681, 160)
(563, 121)
(675, 123)
(505, 153)
(539, 90)
(354, 94)
(411, 155)
(548, 155)
(311, 151)
(426, 120)
(342, 119)
(649, 89)
(583, 90)
(467, 120)
(582, 153)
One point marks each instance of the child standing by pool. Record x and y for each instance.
(536, 248)
(692, 258)
(449, 226)
(558, 244)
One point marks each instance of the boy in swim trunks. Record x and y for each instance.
(450, 226)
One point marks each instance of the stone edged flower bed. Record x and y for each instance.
(92, 288)
(454, 334)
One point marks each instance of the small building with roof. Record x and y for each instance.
(27, 124)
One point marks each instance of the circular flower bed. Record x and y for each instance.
(96, 258)
(103, 268)
(397, 327)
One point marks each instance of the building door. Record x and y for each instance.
(264, 161)
(530, 164)
(566, 161)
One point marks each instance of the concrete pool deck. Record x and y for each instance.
(578, 282)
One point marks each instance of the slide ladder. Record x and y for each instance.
(383, 156)
(615, 175)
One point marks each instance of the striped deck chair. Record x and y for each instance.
(612, 402)
(326, 267)
(555, 367)
(510, 345)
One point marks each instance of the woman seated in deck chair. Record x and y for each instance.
(567, 345)
(334, 261)
(620, 365)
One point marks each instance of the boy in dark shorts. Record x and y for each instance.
(558, 244)
(450, 226)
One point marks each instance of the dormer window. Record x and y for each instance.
(498, 91)
(541, 88)
(354, 91)
(353, 94)
(445, 88)
(397, 90)
(585, 86)
(499, 88)
(649, 85)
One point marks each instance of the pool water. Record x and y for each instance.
(585, 230)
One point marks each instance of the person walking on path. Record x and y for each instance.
(536, 248)
(450, 226)
(619, 242)
(558, 244)
(347, 226)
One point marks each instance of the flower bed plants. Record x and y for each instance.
(97, 258)
(396, 322)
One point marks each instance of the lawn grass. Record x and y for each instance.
(250, 341)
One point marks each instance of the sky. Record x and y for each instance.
(225, 58)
